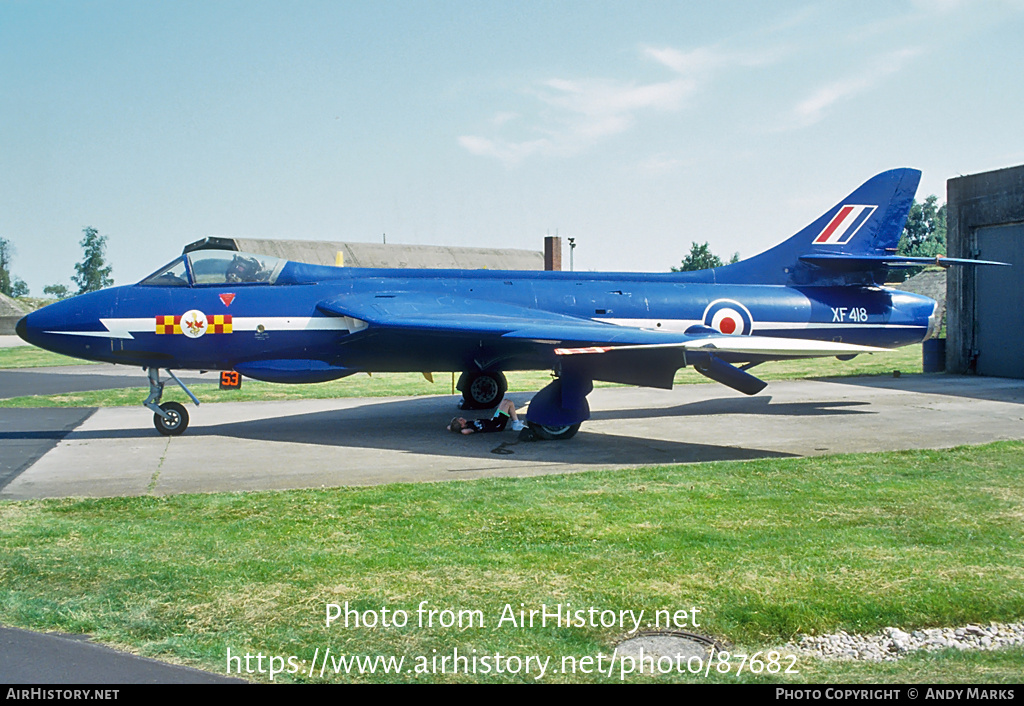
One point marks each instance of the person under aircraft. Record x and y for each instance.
(505, 413)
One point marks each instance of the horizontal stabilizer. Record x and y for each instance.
(867, 262)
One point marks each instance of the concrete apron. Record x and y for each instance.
(323, 443)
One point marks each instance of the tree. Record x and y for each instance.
(924, 235)
(11, 286)
(6, 250)
(700, 258)
(93, 273)
(60, 291)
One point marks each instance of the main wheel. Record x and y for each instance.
(484, 389)
(555, 433)
(176, 424)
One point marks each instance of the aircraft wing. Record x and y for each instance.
(414, 311)
(571, 335)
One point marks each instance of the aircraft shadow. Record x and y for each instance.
(26, 435)
(744, 405)
(417, 426)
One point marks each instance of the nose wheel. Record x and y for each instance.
(169, 418)
(175, 422)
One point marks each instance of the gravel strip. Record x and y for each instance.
(892, 643)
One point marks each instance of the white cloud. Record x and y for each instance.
(701, 62)
(500, 119)
(661, 164)
(572, 115)
(939, 5)
(694, 61)
(814, 108)
(508, 152)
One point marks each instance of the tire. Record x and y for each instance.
(177, 424)
(555, 433)
(483, 390)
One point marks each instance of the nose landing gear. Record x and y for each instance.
(175, 419)
(169, 418)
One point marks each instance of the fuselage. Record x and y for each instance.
(224, 325)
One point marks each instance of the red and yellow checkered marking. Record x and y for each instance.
(168, 324)
(218, 323)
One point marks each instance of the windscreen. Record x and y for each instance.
(173, 275)
(228, 267)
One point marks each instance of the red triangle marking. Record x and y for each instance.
(227, 298)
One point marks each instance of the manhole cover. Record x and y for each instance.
(674, 645)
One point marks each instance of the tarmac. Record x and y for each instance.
(50, 453)
(31, 658)
(346, 442)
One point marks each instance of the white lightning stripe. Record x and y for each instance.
(678, 325)
(297, 323)
(116, 328)
(812, 325)
(145, 324)
(123, 328)
(94, 334)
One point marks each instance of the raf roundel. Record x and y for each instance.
(728, 317)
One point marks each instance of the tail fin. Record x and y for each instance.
(850, 243)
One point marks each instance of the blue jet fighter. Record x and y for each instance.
(820, 293)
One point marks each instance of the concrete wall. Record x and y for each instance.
(405, 256)
(975, 203)
(11, 311)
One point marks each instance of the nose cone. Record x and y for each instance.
(73, 326)
(28, 329)
(41, 326)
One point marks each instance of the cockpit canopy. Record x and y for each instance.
(217, 267)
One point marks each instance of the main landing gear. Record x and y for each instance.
(556, 412)
(482, 389)
(169, 418)
(554, 433)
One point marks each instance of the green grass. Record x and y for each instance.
(32, 357)
(766, 549)
(907, 360)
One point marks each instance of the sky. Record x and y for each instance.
(635, 128)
